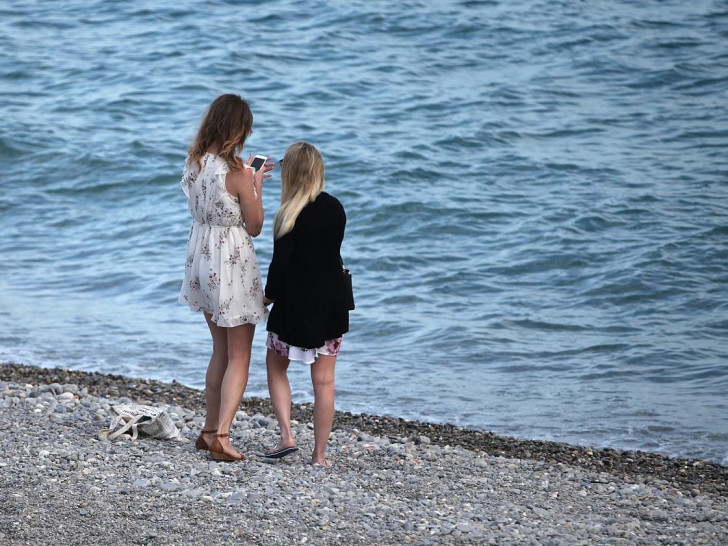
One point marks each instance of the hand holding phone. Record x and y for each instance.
(258, 162)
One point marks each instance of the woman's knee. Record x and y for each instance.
(219, 353)
(240, 340)
(275, 362)
(323, 382)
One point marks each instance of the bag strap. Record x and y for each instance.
(115, 421)
(131, 424)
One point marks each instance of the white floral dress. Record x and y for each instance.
(222, 277)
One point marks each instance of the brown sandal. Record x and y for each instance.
(217, 452)
(201, 444)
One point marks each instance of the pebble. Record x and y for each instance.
(382, 488)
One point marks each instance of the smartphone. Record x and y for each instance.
(258, 161)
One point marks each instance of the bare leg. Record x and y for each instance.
(280, 396)
(239, 342)
(322, 377)
(213, 379)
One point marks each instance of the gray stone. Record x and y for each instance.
(412, 492)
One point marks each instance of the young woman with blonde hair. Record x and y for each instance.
(306, 285)
(222, 279)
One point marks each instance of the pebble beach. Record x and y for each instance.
(392, 481)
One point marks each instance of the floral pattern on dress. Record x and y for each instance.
(330, 347)
(214, 281)
(222, 276)
(234, 258)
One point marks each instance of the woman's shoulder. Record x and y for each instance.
(205, 162)
(328, 200)
(191, 165)
(240, 173)
(324, 206)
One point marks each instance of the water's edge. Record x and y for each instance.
(690, 474)
(535, 192)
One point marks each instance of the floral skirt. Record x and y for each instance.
(222, 277)
(308, 356)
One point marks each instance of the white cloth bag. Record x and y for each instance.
(145, 420)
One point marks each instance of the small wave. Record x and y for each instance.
(596, 223)
(10, 151)
(528, 197)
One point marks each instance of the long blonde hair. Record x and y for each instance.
(226, 124)
(302, 180)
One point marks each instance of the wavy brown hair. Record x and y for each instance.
(227, 124)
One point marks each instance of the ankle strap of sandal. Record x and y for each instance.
(225, 435)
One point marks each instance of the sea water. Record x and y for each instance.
(536, 195)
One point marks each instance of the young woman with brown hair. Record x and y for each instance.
(222, 279)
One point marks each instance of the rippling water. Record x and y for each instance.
(536, 191)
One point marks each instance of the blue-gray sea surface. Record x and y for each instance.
(537, 199)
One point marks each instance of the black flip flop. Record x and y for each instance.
(280, 453)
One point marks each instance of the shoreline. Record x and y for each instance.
(685, 474)
(62, 481)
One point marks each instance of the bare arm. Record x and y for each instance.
(248, 188)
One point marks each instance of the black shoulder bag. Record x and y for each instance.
(348, 288)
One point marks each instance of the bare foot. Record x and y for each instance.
(283, 445)
(281, 450)
(321, 462)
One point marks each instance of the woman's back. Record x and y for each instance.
(221, 271)
(209, 201)
(305, 277)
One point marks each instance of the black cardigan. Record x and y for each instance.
(305, 278)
